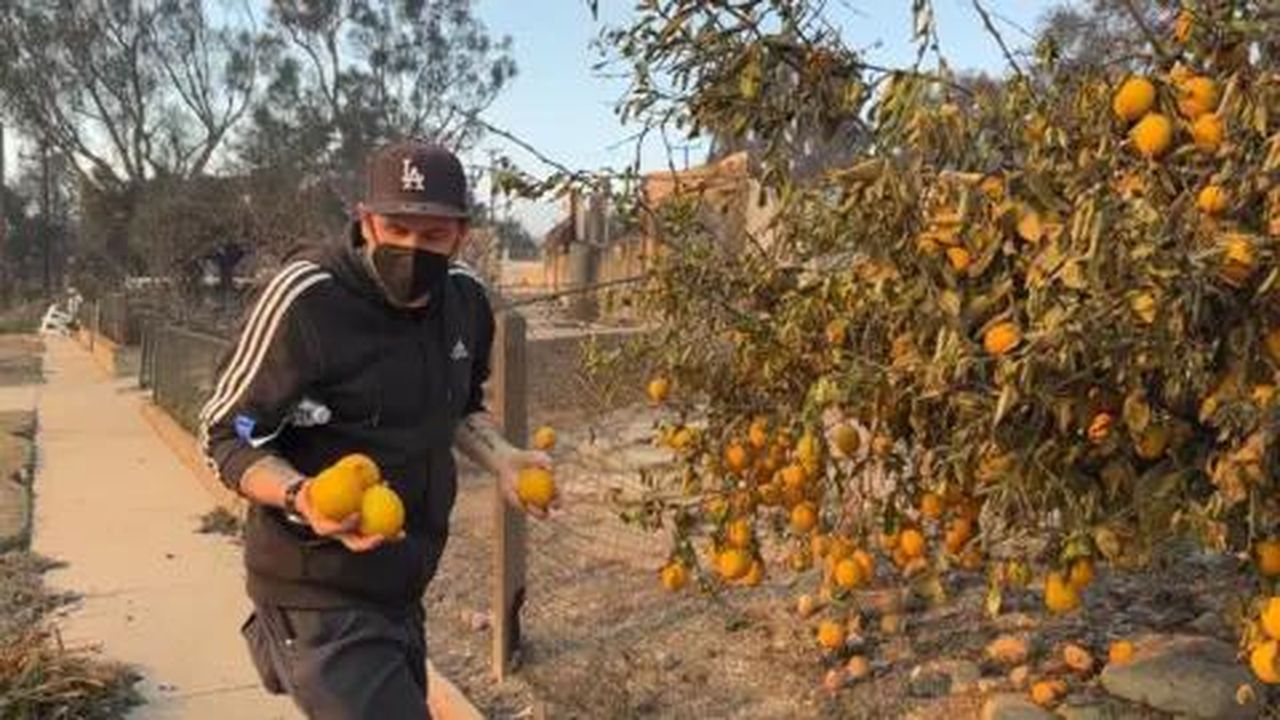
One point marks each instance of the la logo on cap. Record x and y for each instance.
(410, 177)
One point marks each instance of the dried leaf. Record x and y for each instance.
(995, 599)
(1030, 227)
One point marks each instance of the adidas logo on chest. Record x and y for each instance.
(459, 351)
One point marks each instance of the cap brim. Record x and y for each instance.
(411, 208)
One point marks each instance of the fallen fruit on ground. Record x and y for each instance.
(831, 635)
(1120, 652)
(674, 576)
(1060, 596)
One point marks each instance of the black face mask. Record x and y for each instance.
(409, 275)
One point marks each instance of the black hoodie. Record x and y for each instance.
(323, 367)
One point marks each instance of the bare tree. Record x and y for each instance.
(349, 74)
(128, 90)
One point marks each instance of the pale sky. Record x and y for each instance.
(557, 104)
(560, 105)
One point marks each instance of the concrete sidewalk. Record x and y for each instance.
(115, 504)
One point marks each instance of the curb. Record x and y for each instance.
(19, 539)
(446, 701)
(112, 358)
(24, 495)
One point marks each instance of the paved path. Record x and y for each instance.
(115, 504)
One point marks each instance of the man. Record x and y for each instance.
(379, 345)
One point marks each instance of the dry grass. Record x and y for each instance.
(41, 678)
(219, 521)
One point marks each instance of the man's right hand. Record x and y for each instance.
(344, 532)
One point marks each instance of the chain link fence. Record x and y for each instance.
(122, 317)
(179, 366)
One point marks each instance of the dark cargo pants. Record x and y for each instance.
(342, 664)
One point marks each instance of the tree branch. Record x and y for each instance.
(1147, 32)
(991, 28)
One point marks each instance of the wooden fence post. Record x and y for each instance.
(509, 377)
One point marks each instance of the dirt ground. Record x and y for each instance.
(20, 359)
(603, 640)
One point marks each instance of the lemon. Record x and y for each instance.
(1271, 618)
(381, 512)
(536, 487)
(1263, 662)
(1134, 99)
(1060, 595)
(658, 390)
(674, 577)
(846, 440)
(1001, 338)
(544, 438)
(362, 466)
(335, 493)
(1153, 135)
(1198, 95)
(1207, 132)
(1212, 200)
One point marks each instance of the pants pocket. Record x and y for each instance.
(260, 652)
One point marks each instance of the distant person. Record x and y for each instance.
(377, 345)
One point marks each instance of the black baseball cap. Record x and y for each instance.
(416, 178)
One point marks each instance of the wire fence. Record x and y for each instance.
(598, 628)
(179, 366)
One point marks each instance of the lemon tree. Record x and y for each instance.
(1033, 320)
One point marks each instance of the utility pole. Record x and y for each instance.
(47, 224)
(494, 236)
(6, 286)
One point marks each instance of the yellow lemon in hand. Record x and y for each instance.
(335, 493)
(381, 512)
(536, 487)
(362, 466)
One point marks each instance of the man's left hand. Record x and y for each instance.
(511, 464)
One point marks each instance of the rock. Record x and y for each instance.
(835, 679)
(475, 620)
(1184, 675)
(1102, 709)
(1009, 650)
(928, 683)
(893, 624)
(1210, 623)
(883, 602)
(1007, 706)
(1010, 622)
(898, 650)
(939, 677)
(858, 668)
(1019, 676)
(666, 661)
